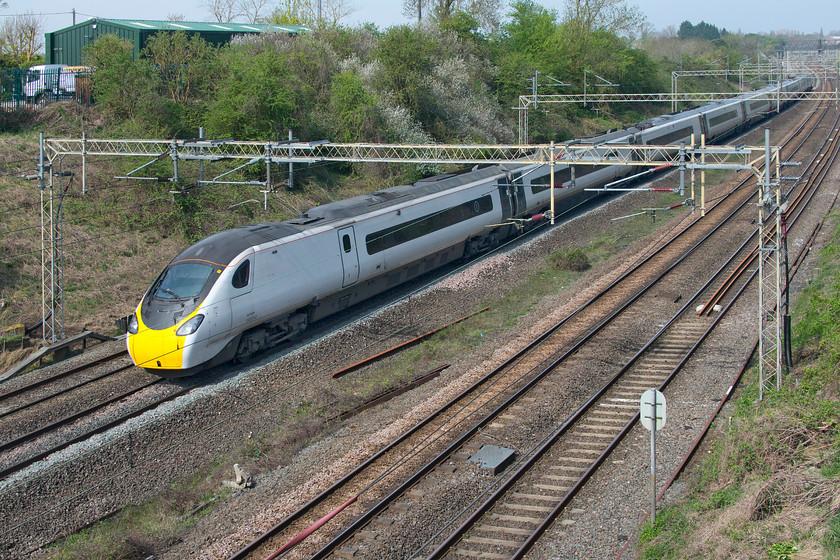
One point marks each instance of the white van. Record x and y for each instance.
(55, 81)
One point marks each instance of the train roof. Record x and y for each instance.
(362, 204)
(221, 248)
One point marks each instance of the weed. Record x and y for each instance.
(721, 498)
(831, 467)
(831, 540)
(782, 551)
(569, 258)
(663, 539)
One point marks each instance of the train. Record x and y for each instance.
(243, 290)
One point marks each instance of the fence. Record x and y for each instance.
(38, 86)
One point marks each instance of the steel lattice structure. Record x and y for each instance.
(243, 154)
(311, 152)
(770, 274)
(527, 102)
(52, 253)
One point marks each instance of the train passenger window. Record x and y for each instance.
(240, 277)
(345, 240)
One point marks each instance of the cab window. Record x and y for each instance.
(240, 277)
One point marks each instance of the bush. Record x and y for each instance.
(256, 100)
(569, 258)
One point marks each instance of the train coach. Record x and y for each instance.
(242, 290)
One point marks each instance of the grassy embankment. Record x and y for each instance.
(769, 484)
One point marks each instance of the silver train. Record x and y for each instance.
(246, 289)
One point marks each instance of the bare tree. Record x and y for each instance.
(609, 15)
(486, 12)
(21, 36)
(252, 9)
(416, 9)
(224, 11)
(175, 17)
(333, 11)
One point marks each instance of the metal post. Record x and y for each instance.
(174, 154)
(291, 165)
(653, 464)
(46, 215)
(84, 152)
(584, 88)
(201, 161)
(703, 175)
(551, 156)
(769, 267)
(693, 205)
(267, 175)
(674, 91)
(526, 125)
(682, 168)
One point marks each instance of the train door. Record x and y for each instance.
(349, 255)
(242, 310)
(512, 195)
(518, 194)
(218, 318)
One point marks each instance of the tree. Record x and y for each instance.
(530, 27)
(352, 108)
(182, 61)
(224, 11)
(415, 8)
(22, 36)
(486, 12)
(614, 16)
(702, 30)
(405, 56)
(251, 9)
(255, 100)
(123, 88)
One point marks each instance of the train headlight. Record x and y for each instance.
(133, 326)
(190, 326)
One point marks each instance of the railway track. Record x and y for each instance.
(50, 414)
(437, 447)
(529, 501)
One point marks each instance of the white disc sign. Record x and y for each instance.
(652, 409)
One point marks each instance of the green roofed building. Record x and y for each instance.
(65, 45)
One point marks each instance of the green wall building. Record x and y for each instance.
(65, 45)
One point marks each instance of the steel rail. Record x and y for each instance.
(52, 426)
(92, 432)
(76, 369)
(64, 391)
(805, 194)
(285, 523)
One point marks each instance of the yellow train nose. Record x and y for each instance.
(154, 349)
